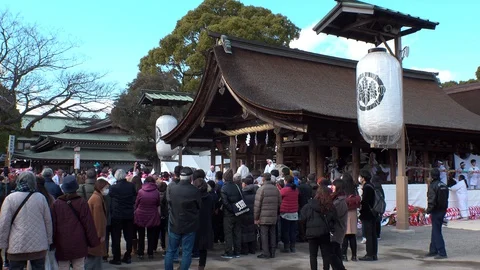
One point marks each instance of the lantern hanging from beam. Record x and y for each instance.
(379, 98)
(164, 125)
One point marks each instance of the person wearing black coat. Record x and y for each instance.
(377, 184)
(123, 195)
(204, 236)
(369, 221)
(305, 194)
(231, 194)
(320, 217)
(249, 229)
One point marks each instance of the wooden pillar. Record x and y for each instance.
(180, 155)
(312, 155)
(213, 152)
(233, 153)
(222, 163)
(392, 153)
(279, 143)
(304, 167)
(426, 164)
(355, 162)
(320, 161)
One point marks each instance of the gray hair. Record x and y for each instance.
(296, 173)
(47, 172)
(237, 177)
(91, 174)
(120, 174)
(28, 178)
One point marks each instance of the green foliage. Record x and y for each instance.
(140, 119)
(454, 83)
(183, 52)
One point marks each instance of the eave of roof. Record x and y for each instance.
(66, 153)
(349, 11)
(462, 88)
(165, 98)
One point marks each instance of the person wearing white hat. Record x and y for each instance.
(474, 174)
(270, 166)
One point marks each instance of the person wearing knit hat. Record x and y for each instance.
(185, 201)
(74, 230)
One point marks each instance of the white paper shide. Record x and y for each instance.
(379, 98)
(164, 125)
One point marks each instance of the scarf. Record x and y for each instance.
(23, 187)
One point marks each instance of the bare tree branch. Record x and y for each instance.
(36, 77)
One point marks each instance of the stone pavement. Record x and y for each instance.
(396, 251)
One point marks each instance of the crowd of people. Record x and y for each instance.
(60, 222)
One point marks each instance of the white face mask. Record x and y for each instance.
(105, 192)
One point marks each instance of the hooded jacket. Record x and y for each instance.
(318, 224)
(146, 206)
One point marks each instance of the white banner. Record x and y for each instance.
(417, 196)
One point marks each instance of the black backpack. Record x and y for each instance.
(441, 195)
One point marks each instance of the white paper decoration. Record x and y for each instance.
(379, 98)
(164, 125)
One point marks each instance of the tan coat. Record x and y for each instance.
(267, 204)
(352, 222)
(98, 210)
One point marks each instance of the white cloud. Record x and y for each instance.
(443, 75)
(308, 40)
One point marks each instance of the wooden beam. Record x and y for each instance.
(233, 154)
(392, 153)
(303, 163)
(312, 156)
(320, 166)
(355, 162)
(279, 144)
(213, 153)
(180, 156)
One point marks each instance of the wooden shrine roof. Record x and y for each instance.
(288, 84)
(467, 95)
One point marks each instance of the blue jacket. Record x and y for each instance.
(52, 188)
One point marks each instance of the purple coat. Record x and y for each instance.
(146, 206)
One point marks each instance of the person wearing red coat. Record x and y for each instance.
(147, 216)
(74, 229)
(289, 214)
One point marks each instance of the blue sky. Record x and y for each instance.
(114, 35)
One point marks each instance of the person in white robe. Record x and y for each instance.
(443, 172)
(460, 189)
(243, 170)
(474, 174)
(270, 166)
(211, 173)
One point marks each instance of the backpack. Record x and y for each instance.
(441, 195)
(380, 205)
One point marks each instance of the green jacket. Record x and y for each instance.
(86, 190)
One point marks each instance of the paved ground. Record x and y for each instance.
(396, 251)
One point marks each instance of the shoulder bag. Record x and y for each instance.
(20, 207)
(69, 203)
(240, 207)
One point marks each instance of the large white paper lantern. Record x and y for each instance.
(164, 125)
(379, 98)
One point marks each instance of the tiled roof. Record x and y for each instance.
(85, 155)
(53, 124)
(165, 98)
(90, 137)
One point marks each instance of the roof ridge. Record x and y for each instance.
(261, 47)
